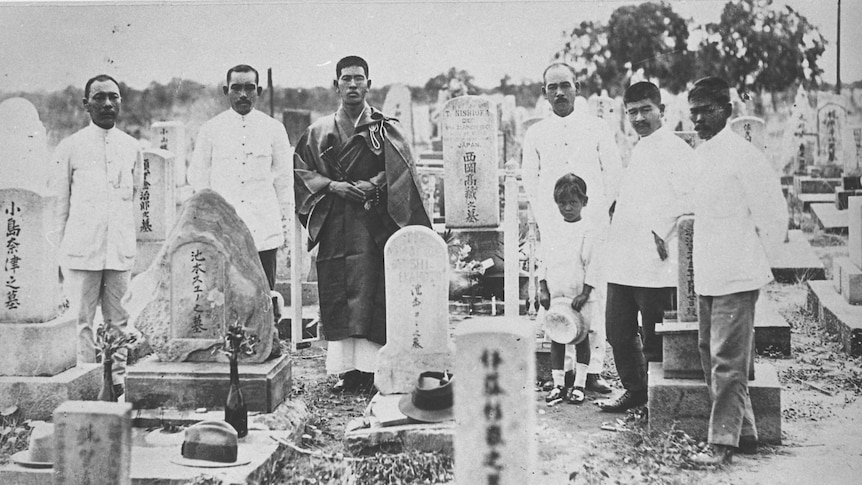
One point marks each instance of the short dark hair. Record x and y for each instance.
(642, 90)
(241, 68)
(570, 186)
(560, 64)
(350, 61)
(99, 78)
(711, 88)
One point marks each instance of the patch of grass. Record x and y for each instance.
(14, 433)
(404, 468)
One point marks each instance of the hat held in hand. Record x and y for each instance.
(211, 444)
(40, 452)
(431, 398)
(563, 324)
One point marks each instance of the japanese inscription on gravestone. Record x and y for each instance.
(470, 150)
(831, 121)
(171, 136)
(197, 292)
(155, 210)
(686, 296)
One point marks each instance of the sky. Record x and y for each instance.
(51, 45)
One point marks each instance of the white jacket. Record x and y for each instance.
(248, 161)
(739, 212)
(94, 181)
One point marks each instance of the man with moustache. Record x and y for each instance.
(94, 185)
(641, 267)
(570, 142)
(739, 212)
(355, 186)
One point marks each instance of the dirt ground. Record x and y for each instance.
(821, 424)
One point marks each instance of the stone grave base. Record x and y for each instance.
(686, 402)
(829, 218)
(795, 261)
(847, 280)
(810, 200)
(399, 434)
(37, 397)
(57, 339)
(147, 251)
(836, 315)
(152, 384)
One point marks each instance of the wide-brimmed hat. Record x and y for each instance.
(431, 398)
(40, 452)
(563, 324)
(211, 444)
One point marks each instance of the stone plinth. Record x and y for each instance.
(191, 385)
(56, 339)
(37, 397)
(836, 315)
(795, 260)
(385, 427)
(681, 358)
(686, 402)
(847, 280)
(147, 251)
(829, 219)
(92, 443)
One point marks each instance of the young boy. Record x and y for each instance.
(569, 270)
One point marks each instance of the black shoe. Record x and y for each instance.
(716, 455)
(747, 445)
(347, 382)
(628, 400)
(595, 383)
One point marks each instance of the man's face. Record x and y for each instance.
(645, 116)
(560, 90)
(103, 103)
(708, 117)
(353, 85)
(242, 92)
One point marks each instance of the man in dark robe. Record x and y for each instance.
(355, 186)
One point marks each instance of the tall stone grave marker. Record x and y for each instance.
(495, 402)
(296, 121)
(171, 136)
(853, 163)
(155, 207)
(93, 443)
(417, 310)
(422, 127)
(399, 104)
(37, 337)
(685, 294)
(831, 123)
(470, 150)
(751, 128)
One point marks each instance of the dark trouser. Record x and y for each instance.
(725, 340)
(267, 259)
(621, 321)
(558, 354)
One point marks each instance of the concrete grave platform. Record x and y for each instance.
(771, 330)
(847, 280)
(56, 340)
(384, 427)
(686, 402)
(152, 384)
(810, 200)
(795, 260)
(829, 218)
(836, 315)
(38, 397)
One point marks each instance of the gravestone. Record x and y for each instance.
(417, 326)
(155, 206)
(685, 294)
(38, 338)
(831, 124)
(398, 104)
(93, 443)
(296, 121)
(853, 163)
(751, 128)
(470, 150)
(847, 272)
(495, 402)
(171, 136)
(207, 275)
(422, 127)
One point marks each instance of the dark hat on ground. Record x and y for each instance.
(211, 444)
(431, 398)
(563, 324)
(40, 452)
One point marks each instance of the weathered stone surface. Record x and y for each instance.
(29, 282)
(93, 443)
(854, 230)
(495, 401)
(24, 157)
(752, 129)
(836, 315)
(38, 397)
(55, 340)
(849, 279)
(417, 322)
(795, 260)
(685, 295)
(191, 385)
(680, 355)
(183, 312)
(171, 136)
(685, 403)
(155, 207)
(399, 104)
(831, 127)
(470, 153)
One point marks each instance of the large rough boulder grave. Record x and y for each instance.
(206, 276)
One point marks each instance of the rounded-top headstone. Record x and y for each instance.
(24, 153)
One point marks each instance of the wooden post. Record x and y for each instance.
(511, 270)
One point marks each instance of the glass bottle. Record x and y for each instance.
(235, 410)
(107, 391)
